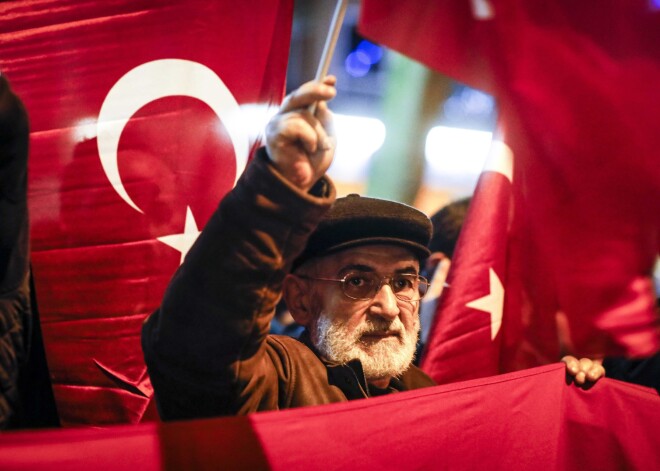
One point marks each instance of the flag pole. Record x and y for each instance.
(330, 43)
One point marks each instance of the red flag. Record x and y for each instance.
(137, 111)
(576, 86)
(467, 325)
(490, 423)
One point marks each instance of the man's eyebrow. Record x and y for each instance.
(409, 269)
(357, 267)
(368, 269)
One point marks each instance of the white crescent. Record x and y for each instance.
(157, 79)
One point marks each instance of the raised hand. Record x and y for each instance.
(301, 145)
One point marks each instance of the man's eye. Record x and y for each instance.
(403, 282)
(355, 280)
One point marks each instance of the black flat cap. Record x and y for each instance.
(358, 220)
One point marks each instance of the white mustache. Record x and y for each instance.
(394, 327)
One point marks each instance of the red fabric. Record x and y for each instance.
(442, 34)
(466, 337)
(99, 267)
(524, 420)
(576, 85)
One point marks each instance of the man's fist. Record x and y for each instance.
(301, 145)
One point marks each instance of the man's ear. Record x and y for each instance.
(296, 296)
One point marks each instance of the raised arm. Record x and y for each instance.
(205, 345)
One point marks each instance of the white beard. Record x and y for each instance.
(380, 358)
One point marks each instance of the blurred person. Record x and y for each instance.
(644, 371)
(26, 395)
(15, 308)
(447, 224)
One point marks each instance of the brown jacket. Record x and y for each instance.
(207, 347)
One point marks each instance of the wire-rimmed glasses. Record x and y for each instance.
(366, 285)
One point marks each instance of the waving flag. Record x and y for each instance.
(138, 119)
(576, 85)
(468, 322)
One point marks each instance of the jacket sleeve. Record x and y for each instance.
(205, 346)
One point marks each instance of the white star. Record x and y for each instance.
(183, 242)
(492, 303)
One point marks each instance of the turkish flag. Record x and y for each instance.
(467, 327)
(142, 116)
(576, 86)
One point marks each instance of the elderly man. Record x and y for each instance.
(348, 270)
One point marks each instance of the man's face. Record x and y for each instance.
(381, 332)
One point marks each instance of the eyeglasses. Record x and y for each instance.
(365, 286)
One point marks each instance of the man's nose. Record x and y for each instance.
(385, 303)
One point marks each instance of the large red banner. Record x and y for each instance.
(140, 123)
(526, 420)
(576, 87)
